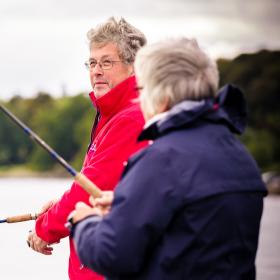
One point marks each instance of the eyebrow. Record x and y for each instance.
(102, 57)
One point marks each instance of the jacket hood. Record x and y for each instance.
(228, 108)
(118, 97)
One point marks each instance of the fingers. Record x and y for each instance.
(45, 250)
(104, 201)
(92, 201)
(101, 207)
(81, 211)
(37, 244)
(81, 205)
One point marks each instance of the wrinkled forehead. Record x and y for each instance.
(108, 49)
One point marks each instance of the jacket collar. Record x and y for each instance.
(117, 98)
(229, 108)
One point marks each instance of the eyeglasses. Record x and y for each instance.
(104, 64)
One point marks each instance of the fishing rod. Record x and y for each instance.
(80, 178)
(20, 218)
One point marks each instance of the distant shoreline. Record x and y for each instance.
(23, 172)
(272, 183)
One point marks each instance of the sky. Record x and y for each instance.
(43, 44)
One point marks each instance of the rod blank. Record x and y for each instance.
(80, 178)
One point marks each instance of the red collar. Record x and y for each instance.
(117, 98)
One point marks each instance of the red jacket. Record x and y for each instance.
(114, 139)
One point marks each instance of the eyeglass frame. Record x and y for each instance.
(112, 62)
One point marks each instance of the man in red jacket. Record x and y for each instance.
(119, 121)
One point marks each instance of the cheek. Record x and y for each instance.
(91, 77)
(121, 74)
(110, 79)
(114, 79)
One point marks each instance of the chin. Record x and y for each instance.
(100, 92)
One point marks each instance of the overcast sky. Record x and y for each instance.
(43, 43)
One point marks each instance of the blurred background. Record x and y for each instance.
(43, 81)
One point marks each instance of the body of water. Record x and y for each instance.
(25, 195)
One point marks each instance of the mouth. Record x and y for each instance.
(100, 83)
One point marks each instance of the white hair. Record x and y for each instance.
(172, 71)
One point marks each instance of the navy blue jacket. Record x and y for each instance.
(188, 207)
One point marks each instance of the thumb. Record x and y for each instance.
(81, 205)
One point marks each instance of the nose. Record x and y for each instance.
(97, 70)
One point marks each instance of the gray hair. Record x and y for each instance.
(173, 71)
(128, 38)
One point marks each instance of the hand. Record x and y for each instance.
(37, 244)
(82, 211)
(47, 206)
(104, 202)
(101, 207)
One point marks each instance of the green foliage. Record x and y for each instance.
(14, 145)
(262, 145)
(258, 75)
(58, 129)
(56, 121)
(82, 134)
(65, 123)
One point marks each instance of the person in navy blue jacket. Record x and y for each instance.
(188, 206)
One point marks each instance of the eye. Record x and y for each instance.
(92, 63)
(106, 63)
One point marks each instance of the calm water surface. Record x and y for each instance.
(17, 261)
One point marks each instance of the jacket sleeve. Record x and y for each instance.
(104, 168)
(145, 201)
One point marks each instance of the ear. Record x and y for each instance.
(132, 70)
(164, 106)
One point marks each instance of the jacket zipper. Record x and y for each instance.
(92, 135)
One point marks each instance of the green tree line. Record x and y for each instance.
(258, 76)
(65, 123)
